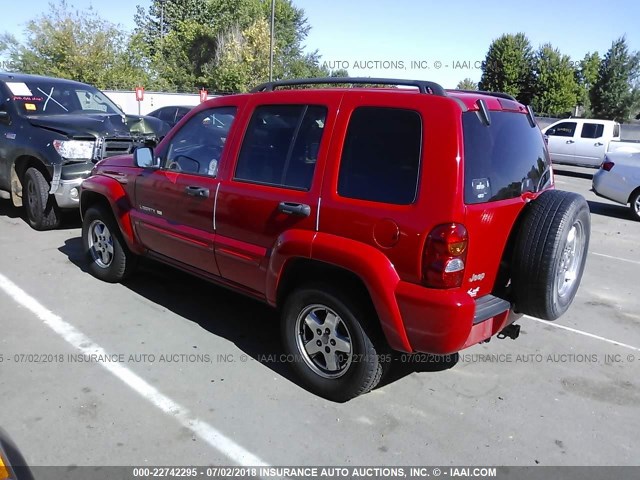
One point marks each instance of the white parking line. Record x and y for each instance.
(586, 334)
(616, 258)
(84, 344)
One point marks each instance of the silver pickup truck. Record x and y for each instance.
(584, 142)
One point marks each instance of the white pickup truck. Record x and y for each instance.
(584, 142)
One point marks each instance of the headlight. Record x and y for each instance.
(74, 149)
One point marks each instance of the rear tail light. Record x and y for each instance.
(607, 165)
(444, 256)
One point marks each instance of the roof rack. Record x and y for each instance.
(422, 85)
(492, 94)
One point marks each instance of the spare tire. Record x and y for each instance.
(550, 253)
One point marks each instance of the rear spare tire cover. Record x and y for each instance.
(550, 253)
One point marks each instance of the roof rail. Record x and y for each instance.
(422, 85)
(492, 94)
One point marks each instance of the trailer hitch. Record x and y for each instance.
(511, 331)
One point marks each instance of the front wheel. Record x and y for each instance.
(109, 258)
(330, 344)
(42, 210)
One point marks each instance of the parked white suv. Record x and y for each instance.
(584, 142)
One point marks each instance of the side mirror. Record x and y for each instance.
(4, 117)
(143, 158)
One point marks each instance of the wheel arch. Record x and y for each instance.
(18, 169)
(298, 271)
(359, 267)
(633, 193)
(22, 163)
(108, 193)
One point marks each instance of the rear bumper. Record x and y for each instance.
(610, 186)
(446, 321)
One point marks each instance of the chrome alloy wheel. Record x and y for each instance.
(324, 341)
(100, 244)
(571, 260)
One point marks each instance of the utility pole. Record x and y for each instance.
(273, 22)
(161, 18)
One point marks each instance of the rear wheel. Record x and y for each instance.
(42, 210)
(634, 204)
(550, 254)
(109, 258)
(329, 343)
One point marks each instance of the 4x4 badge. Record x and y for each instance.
(472, 292)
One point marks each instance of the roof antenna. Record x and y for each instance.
(530, 117)
(484, 112)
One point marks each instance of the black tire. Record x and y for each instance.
(351, 377)
(550, 254)
(108, 256)
(41, 208)
(634, 204)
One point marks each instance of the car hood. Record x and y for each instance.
(100, 125)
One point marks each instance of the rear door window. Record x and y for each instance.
(592, 130)
(502, 160)
(281, 145)
(167, 114)
(381, 156)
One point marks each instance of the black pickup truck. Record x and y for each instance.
(52, 132)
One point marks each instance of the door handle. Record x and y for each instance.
(598, 144)
(570, 141)
(292, 208)
(197, 191)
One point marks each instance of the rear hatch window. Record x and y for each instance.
(504, 159)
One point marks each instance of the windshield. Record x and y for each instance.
(504, 159)
(40, 97)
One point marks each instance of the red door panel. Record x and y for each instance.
(280, 161)
(248, 223)
(174, 214)
(174, 222)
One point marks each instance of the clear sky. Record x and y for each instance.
(384, 37)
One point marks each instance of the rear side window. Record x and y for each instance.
(592, 130)
(616, 130)
(381, 156)
(281, 145)
(502, 160)
(564, 129)
(166, 114)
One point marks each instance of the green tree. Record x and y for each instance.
(172, 23)
(615, 94)
(341, 72)
(508, 67)
(467, 84)
(78, 45)
(243, 58)
(586, 76)
(556, 87)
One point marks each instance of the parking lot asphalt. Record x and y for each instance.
(195, 376)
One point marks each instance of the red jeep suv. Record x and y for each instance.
(376, 219)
